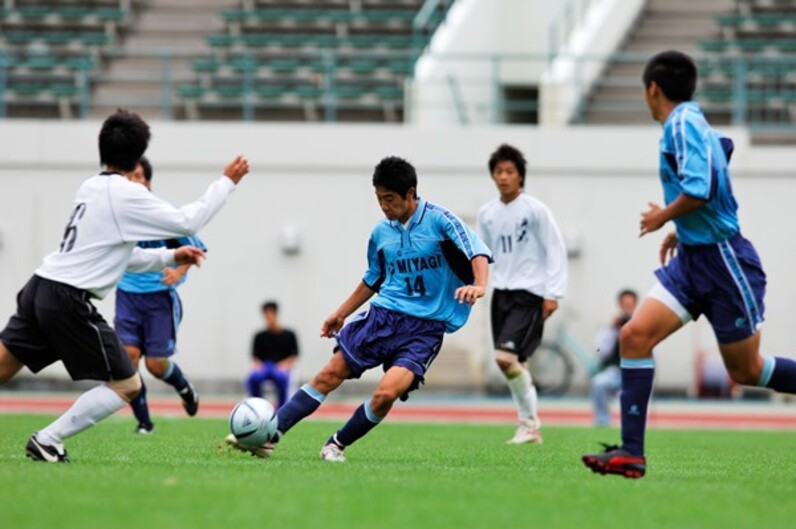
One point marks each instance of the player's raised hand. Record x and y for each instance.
(469, 294)
(189, 255)
(651, 219)
(331, 325)
(668, 247)
(237, 169)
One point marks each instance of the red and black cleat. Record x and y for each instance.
(616, 460)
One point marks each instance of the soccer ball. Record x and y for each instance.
(253, 421)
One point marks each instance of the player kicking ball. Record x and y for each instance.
(712, 269)
(55, 318)
(426, 269)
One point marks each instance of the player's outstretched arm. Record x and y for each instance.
(156, 259)
(335, 321)
(470, 293)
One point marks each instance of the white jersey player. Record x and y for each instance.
(529, 276)
(55, 319)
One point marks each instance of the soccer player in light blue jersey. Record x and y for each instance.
(426, 268)
(712, 269)
(148, 312)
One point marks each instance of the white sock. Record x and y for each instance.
(89, 408)
(524, 393)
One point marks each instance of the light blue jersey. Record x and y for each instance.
(416, 269)
(148, 282)
(694, 161)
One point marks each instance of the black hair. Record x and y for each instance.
(270, 305)
(147, 167)
(395, 174)
(627, 292)
(507, 153)
(123, 139)
(674, 72)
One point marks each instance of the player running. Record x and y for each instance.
(55, 318)
(529, 277)
(148, 312)
(426, 268)
(712, 269)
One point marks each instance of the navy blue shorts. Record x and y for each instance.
(723, 281)
(388, 338)
(149, 321)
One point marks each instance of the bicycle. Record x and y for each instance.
(554, 362)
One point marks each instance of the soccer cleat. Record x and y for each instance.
(527, 432)
(264, 451)
(190, 400)
(332, 452)
(41, 452)
(144, 429)
(616, 460)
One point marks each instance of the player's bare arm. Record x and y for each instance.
(189, 255)
(655, 217)
(470, 293)
(668, 246)
(335, 321)
(237, 169)
(172, 276)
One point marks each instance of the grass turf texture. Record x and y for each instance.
(400, 476)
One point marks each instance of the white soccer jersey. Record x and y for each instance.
(529, 251)
(109, 216)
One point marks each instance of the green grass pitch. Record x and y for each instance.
(400, 476)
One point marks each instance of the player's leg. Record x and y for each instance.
(658, 316)
(303, 403)
(311, 395)
(139, 402)
(128, 323)
(89, 349)
(395, 382)
(517, 328)
(160, 330)
(9, 365)
(747, 366)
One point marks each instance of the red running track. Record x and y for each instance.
(729, 417)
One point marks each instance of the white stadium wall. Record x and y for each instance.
(313, 181)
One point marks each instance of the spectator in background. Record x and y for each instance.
(274, 351)
(607, 379)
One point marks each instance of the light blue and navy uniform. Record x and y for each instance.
(148, 312)
(415, 269)
(716, 271)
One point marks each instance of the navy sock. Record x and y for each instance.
(303, 402)
(361, 422)
(637, 377)
(175, 377)
(140, 408)
(778, 374)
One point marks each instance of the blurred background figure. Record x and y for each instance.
(607, 380)
(274, 352)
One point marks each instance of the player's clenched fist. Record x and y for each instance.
(237, 168)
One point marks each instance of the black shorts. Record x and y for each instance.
(517, 322)
(55, 322)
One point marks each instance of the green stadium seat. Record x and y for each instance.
(191, 91)
(388, 93)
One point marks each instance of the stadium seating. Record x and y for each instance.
(308, 60)
(756, 44)
(50, 50)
